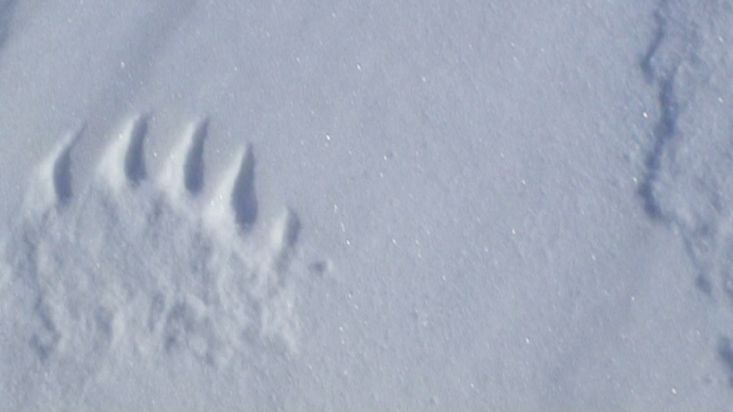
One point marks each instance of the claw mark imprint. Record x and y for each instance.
(236, 194)
(243, 197)
(62, 170)
(134, 155)
(124, 161)
(184, 172)
(194, 163)
(148, 257)
(55, 172)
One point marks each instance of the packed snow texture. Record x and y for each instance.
(341, 205)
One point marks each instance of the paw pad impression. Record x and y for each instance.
(153, 263)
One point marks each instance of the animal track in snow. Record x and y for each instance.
(151, 263)
(687, 182)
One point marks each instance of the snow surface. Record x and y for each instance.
(341, 205)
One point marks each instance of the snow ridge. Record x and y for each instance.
(687, 183)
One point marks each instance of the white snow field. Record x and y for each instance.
(495, 205)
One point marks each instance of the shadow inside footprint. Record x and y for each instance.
(135, 156)
(62, 177)
(194, 163)
(244, 199)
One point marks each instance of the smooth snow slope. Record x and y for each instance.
(503, 205)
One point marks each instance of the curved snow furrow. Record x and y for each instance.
(687, 182)
(54, 175)
(664, 130)
(691, 149)
(184, 173)
(673, 66)
(150, 265)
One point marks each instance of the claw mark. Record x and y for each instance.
(61, 168)
(135, 156)
(55, 173)
(236, 196)
(194, 162)
(125, 159)
(285, 234)
(283, 237)
(244, 199)
(185, 170)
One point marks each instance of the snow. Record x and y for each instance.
(502, 205)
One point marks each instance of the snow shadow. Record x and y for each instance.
(244, 198)
(194, 163)
(135, 157)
